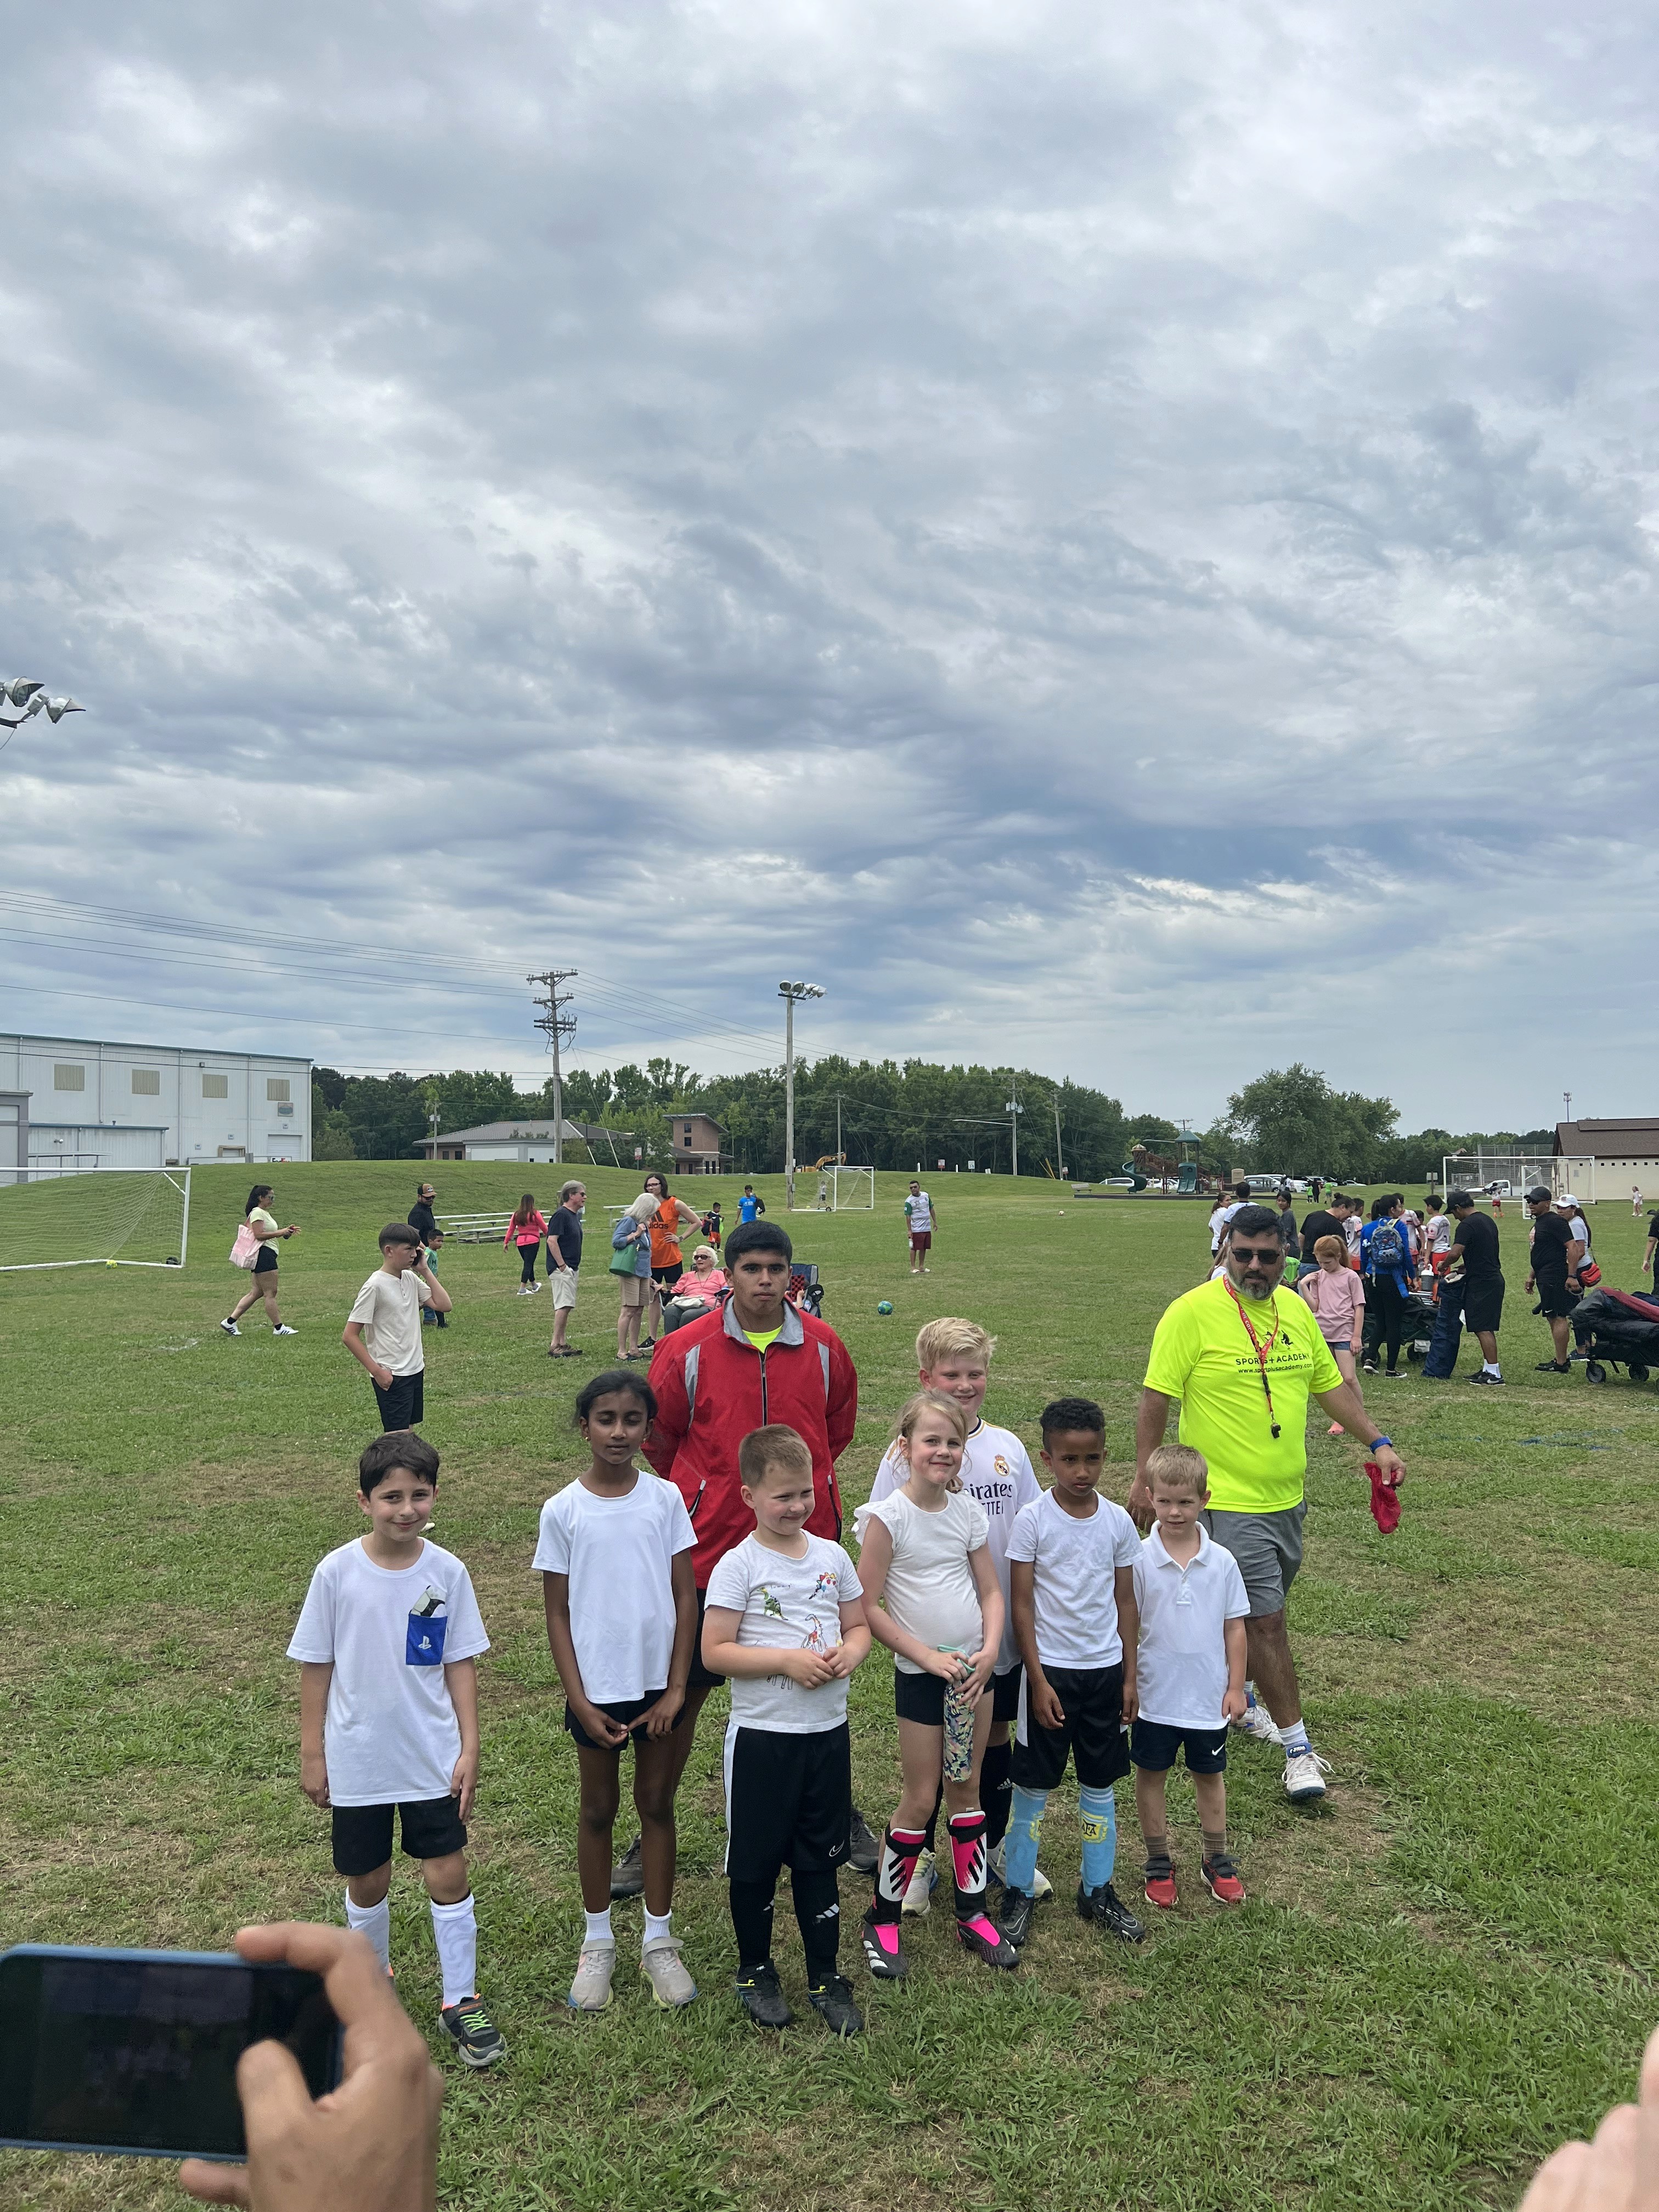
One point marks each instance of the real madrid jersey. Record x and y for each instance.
(997, 1470)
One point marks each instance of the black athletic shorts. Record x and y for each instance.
(628, 1710)
(920, 1698)
(1483, 1306)
(789, 1802)
(403, 1405)
(700, 1678)
(1094, 1736)
(1156, 1744)
(433, 1828)
(665, 1277)
(264, 1260)
(1004, 1694)
(1555, 1300)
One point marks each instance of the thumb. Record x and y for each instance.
(275, 2098)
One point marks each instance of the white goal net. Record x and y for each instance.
(118, 1217)
(852, 1190)
(1496, 1175)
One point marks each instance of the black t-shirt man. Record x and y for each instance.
(564, 1231)
(1477, 1239)
(1321, 1224)
(1551, 1236)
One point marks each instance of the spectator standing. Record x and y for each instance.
(1289, 1235)
(1589, 1274)
(1330, 1221)
(383, 1331)
(1635, 1201)
(919, 1220)
(1471, 1294)
(631, 1239)
(1436, 1242)
(1388, 1267)
(1556, 1254)
(1336, 1298)
(750, 1208)
(424, 1222)
(564, 1259)
(525, 1231)
(263, 1224)
(1652, 1244)
(667, 1260)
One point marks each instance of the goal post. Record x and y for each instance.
(1510, 1174)
(852, 1190)
(113, 1217)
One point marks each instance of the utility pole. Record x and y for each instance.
(840, 1154)
(1014, 1110)
(558, 1027)
(789, 993)
(1059, 1155)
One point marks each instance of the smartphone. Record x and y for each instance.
(136, 2052)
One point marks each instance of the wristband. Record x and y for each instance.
(1380, 1440)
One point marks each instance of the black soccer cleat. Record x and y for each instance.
(762, 2000)
(628, 1876)
(833, 2002)
(1014, 1920)
(980, 1936)
(884, 1953)
(1106, 1910)
(863, 1850)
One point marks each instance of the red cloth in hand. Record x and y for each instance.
(1385, 1499)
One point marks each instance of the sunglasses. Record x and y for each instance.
(1268, 1255)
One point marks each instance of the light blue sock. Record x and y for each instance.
(1024, 1827)
(1097, 1817)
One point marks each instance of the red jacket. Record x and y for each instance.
(712, 1387)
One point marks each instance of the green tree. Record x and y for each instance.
(1290, 1121)
(330, 1133)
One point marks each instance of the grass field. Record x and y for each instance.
(1438, 1977)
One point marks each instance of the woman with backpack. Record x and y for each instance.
(1386, 1261)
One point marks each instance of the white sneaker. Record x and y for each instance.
(918, 1897)
(230, 1329)
(1041, 1884)
(590, 1989)
(1258, 1722)
(285, 1331)
(1304, 1777)
(661, 1966)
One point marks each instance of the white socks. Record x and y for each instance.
(1491, 1367)
(655, 1928)
(455, 1931)
(374, 1921)
(598, 1928)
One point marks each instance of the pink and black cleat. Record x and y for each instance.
(981, 1936)
(884, 1953)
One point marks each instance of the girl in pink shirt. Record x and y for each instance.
(1337, 1295)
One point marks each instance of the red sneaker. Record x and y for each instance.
(1221, 1879)
(1161, 1887)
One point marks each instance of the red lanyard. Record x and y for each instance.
(1261, 1350)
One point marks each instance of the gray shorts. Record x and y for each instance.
(1268, 1549)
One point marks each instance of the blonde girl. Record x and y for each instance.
(932, 1596)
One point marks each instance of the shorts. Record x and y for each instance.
(1555, 1300)
(403, 1405)
(1343, 1343)
(920, 1698)
(634, 1289)
(921, 1240)
(1005, 1693)
(1268, 1549)
(433, 1828)
(665, 1277)
(789, 1802)
(1483, 1306)
(625, 1710)
(1093, 1737)
(1153, 1745)
(701, 1678)
(563, 1281)
(265, 1260)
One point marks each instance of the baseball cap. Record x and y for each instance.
(1566, 1199)
(1539, 1190)
(1456, 1198)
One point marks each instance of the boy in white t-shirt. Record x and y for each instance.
(615, 1559)
(953, 1357)
(1192, 1609)
(1071, 1561)
(387, 1642)
(383, 1332)
(785, 1623)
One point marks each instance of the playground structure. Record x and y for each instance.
(1178, 1177)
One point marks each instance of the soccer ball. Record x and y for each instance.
(885, 1305)
(111, 1263)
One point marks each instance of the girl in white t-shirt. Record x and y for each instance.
(615, 1559)
(931, 1594)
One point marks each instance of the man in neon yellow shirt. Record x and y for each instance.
(1243, 1358)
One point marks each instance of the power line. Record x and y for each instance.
(556, 1026)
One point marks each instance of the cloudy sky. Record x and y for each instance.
(1118, 540)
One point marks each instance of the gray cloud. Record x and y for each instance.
(1124, 544)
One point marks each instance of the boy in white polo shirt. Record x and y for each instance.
(953, 1357)
(1193, 1608)
(388, 1641)
(784, 1624)
(1071, 1560)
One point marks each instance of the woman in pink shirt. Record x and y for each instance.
(1337, 1295)
(698, 1291)
(526, 1229)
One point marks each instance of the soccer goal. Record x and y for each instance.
(115, 1216)
(1497, 1175)
(852, 1190)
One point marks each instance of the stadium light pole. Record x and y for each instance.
(1014, 1109)
(790, 993)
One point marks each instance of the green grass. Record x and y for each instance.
(1438, 1977)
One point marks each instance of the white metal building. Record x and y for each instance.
(83, 1104)
(526, 1141)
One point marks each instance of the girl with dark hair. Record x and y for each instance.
(526, 1229)
(261, 1224)
(615, 1559)
(1387, 1264)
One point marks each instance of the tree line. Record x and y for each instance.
(906, 1114)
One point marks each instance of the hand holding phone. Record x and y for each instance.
(369, 2146)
